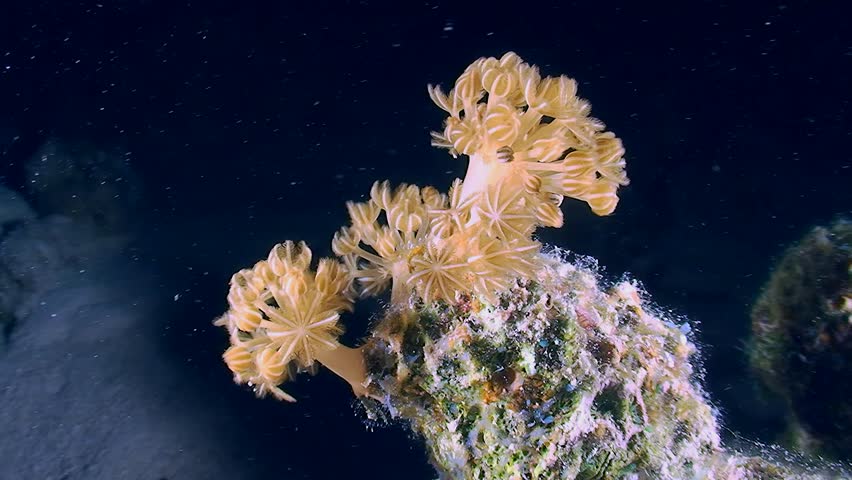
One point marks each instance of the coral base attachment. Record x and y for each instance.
(559, 379)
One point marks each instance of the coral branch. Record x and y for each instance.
(348, 364)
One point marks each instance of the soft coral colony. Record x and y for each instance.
(509, 361)
(530, 142)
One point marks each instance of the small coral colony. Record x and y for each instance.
(529, 143)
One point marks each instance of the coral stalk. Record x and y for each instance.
(348, 364)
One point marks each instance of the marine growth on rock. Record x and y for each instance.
(509, 361)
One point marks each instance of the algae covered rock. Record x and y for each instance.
(561, 379)
(801, 346)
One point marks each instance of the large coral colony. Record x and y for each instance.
(510, 361)
(529, 141)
